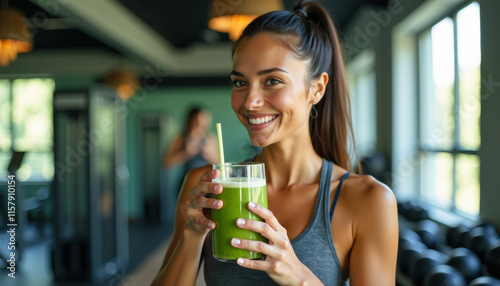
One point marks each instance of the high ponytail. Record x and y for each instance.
(313, 37)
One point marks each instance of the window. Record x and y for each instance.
(449, 111)
(26, 125)
(361, 78)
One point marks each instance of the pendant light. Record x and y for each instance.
(230, 16)
(15, 35)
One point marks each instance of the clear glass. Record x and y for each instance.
(5, 137)
(437, 106)
(363, 113)
(467, 194)
(32, 114)
(437, 179)
(242, 183)
(469, 64)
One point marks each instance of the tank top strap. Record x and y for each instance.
(325, 186)
(337, 194)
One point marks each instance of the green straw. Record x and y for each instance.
(221, 151)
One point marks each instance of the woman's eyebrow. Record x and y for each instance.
(262, 72)
(237, 73)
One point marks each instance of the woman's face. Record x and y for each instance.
(270, 94)
(202, 121)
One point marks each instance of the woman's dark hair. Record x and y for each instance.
(190, 119)
(309, 31)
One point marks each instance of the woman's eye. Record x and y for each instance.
(238, 83)
(273, 81)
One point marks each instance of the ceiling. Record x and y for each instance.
(165, 15)
(170, 35)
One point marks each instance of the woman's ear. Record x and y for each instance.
(319, 87)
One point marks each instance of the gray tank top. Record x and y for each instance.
(314, 247)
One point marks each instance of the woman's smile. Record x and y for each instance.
(260, 121)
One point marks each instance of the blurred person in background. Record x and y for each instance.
(196, 146)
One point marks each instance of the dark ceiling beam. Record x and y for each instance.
(115, 25)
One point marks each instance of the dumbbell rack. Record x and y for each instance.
(466, 251)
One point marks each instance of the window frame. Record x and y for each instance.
(456, 148)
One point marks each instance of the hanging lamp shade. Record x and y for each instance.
(124, 81)
(229, 16)
(15, 35)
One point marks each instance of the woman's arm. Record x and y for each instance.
(374, 251)
(182, 259)
(210, 151)
(174, 154)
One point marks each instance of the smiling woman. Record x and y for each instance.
(325, 225)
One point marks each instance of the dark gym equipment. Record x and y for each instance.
(407, 250)
(479, 239)
(466, 262)
(455, 235)
(150, 160)
(404, 207)
(413, 211)
(91, 228)
(429, 232)
(489, 228)
(443, 275)
(485, 281)
(423, 262)
(408, 234)
(492, 259)
(417, 213)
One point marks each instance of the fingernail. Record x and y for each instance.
(252, 204)
(240, 221)
(236, 241)
(216, 203)
(240, 261)
(216, 188)
(210, 225)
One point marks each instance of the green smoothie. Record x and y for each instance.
(236, 194)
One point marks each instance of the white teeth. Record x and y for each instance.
(261, 119)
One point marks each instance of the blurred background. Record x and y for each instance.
(93, 94)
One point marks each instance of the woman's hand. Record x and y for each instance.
(281, 263)
(198, 200)
(193, 147)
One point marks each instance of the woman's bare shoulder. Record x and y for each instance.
(367, 185)
(365, 196)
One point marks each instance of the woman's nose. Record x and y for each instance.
(254, 98)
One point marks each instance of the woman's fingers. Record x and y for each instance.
(199, 199)
(262, 265)
(202, 220)
(197, 218)
(270, 228)
(266, 215)
(253, 245)
(199, 196)
(205, 185)
(275, 257)
(275, 237)
(208, 176)
(202, 202)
